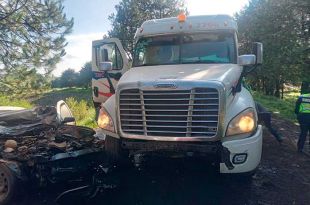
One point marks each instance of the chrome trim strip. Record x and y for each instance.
(190, 114)
(143, 112)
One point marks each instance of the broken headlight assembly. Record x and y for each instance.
(244, 123)
(105, 121)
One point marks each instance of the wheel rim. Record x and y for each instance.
(4, 186)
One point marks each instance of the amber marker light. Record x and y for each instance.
(181, 17)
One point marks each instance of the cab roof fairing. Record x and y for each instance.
(192, 24)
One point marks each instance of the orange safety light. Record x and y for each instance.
(181, 17)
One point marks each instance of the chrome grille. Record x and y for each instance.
(173, 113)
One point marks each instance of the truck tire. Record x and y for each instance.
(112, 148)
(8, 185)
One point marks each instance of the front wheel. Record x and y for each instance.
(8, 185)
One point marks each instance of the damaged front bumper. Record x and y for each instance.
(250, 148)
(235, 156)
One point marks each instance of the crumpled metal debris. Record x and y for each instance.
(49, 143)
(27, 134)
(15, 123)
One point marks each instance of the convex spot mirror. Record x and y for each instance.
(105, 66)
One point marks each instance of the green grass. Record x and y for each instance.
(79, 101)
(83, 112)
(282, 107)
(53, 96)
(6, 101)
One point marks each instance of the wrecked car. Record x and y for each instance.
(43, 146)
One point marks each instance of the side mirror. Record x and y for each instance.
(245, 60)
(258, 52)
(105, 66)
(64, 114)
(68, 119)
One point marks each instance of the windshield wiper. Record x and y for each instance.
(145, 64)
(200, 61)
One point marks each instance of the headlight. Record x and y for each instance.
(244, 122)
(105, 121)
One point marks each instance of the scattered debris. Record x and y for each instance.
(8, 150)
(39, 148)
(10, 144)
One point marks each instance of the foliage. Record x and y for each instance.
(53, 96)
(22, 82)
(130, 14)
(283, 27)
(83, 113)
(70, 78)
(282, 107)
(32, 41)
(7, 101)
(85, 75)
(32, 34)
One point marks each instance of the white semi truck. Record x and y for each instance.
(182, 95)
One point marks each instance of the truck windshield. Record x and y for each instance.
(185, 48)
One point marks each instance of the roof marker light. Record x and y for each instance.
(181, 17)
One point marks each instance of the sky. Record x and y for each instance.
(91, 23)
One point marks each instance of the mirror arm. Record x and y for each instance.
(253, 68)
(112, 89)
(238, 86)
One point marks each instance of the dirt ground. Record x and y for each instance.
(283, 177)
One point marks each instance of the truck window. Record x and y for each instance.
(109, 52)
(157, 50)
(185, 48)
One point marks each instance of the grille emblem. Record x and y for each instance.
(166, 85)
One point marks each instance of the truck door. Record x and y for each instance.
(111, 52)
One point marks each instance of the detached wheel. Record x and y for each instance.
(8, 185)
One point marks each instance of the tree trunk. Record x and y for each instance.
(282, 90)
(277, 89)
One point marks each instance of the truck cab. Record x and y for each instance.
(182, 96)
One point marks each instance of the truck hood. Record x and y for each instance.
(227, 74)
